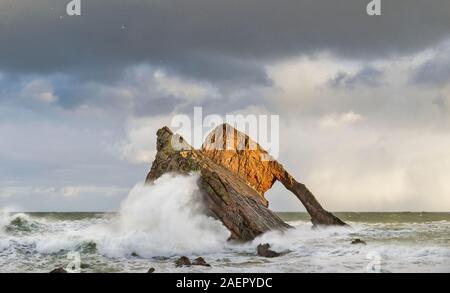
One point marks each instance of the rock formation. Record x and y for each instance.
(235, 172)
(200, 261)
(183, 261)
(358, 241)
(265, 251)
(59, 270)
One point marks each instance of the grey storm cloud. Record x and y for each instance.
(214, 39)
(434, 72)
(442, 104)
(368, 76)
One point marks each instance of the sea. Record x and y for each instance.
(155, 225)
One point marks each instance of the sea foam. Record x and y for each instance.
(165, 218)
(162, 219)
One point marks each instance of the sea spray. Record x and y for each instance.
(11, 221)
(165, 218)
(6, 214)
(4, 218)
(4, 221)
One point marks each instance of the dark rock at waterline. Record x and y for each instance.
(358, 241)
(265, 251)
(199, 261)
(161, 258)
(151, 270)
(183, 261)
(186, 262)
(235, 172)
(59, 270)
(89, 247)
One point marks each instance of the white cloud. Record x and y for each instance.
(11, 191)
(71, 191)
(301, 82)
(40, 90)
(139, 146)
(335, 120)
(389, 152)
(366, 169)
(103, 191)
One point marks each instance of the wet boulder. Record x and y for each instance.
(265, 251)
(200, 261)
(183, 262)
(358, 241)
(59, 270)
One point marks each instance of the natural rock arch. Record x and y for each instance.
(234, 178)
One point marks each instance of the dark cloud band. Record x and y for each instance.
(209, 38)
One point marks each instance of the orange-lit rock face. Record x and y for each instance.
(236, 151)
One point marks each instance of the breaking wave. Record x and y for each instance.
(16, 222)
(162, 219)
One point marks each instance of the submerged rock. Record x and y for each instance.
(235, 172)
(358, 241)
(183, 262)
(88, 247)
(59, 270)
(265, 251)
(199, 261)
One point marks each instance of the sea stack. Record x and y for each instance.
(234, 173)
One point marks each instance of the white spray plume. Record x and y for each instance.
(163, 219)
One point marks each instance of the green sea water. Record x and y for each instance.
(109, 242)
(365, 217)
(375, 217)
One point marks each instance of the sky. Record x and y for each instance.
(363, 101)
